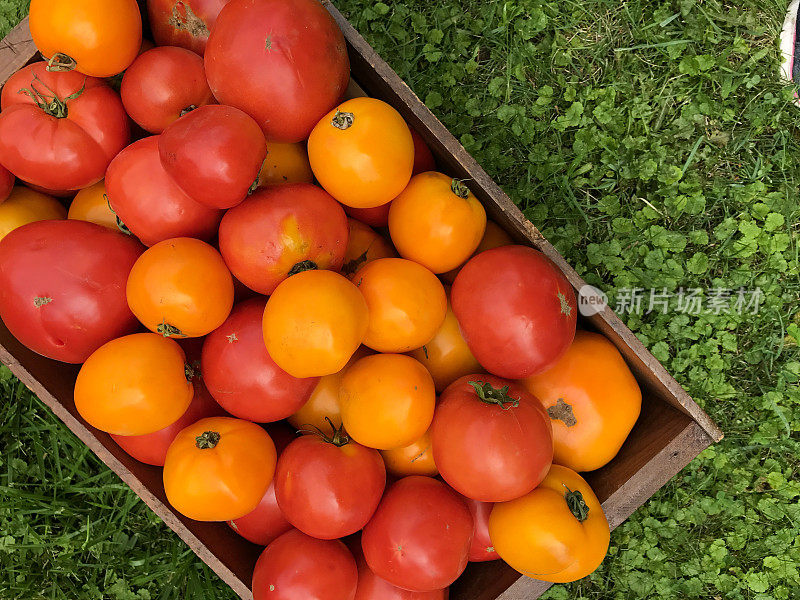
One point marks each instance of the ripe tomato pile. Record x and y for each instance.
(274, 294)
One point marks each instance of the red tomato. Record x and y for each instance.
(419, 538)
(242, 376)
(62, 287)
(7, 181)
(517, 310)
(265, 523)
(482, 548)
(59, 130)
(379, 216)
(284, 63)
(516, 438)
(372, 587)
(327, 485)
(184, 23)
(214, 153)
(162, 85)
(149, 202)
(152, 448)
(298, 567)
(281, 230)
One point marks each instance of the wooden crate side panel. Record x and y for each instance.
(16, 50)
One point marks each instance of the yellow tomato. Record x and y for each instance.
(91, 204)
(494, 237)
(24, 206)
(363, 246)
(414, 459)
(285, 163)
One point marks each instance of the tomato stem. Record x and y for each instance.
(61, 62)
(120, 225)
(208, 440)
(459, 188)
(577, 505)
(189, 371)
(338, 437)
(303, 265)
(342, 120)
(55, 107)
(492, 395)
(40, 301)
(168, 330)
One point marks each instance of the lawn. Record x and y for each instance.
(654, 144)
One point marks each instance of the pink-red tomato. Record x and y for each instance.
(283, 230)
(214, 153)
(298, 567)
(419, 538)
(162, 85)
(241, 375)
(152, 448)
(481, 549)
(516, 439)
(149, 202)
(7, 181)
(372, 587)
(59, 130)
(265, 523)
(62, 287)
(184, 23)
(327, 485)
(517, 310)
(283, 63)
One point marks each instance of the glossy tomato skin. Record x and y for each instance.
(413, 459)
(214, 153)
(68, 312)
(162, 84)
(593, 401)
(547, 535)
(327, 490)
(7, 181)
(264, 524)
(149, 201)
(24, 206)
(364, 245)
(183, 23)
(372, 587)
(362, 153)
(219, 469)
(91, 204)
(70, 148)
(152, 448)
(277, 229)
(283, 63)
(101, 36)
(481, 549)
(517, 310)
(432, 526)
(242, 376)
(516, 442)
(134, 385)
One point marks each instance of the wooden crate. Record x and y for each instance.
(671, 431)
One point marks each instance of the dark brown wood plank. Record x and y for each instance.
(16, 50)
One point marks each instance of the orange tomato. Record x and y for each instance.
(323, 403)
(134, 385)
(314, 322)
(91, 204)
(494, 237)
(362, 153)
(407, 304)
(446, 355)
(414, 459)
(363, 246)
(180, 288)
(436, 221)
(285, 163)
(219, 469)
(593, 401)
(99, 38)
(24, 206)
(558, 532)
(387, 401)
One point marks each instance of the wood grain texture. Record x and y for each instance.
(16, 50)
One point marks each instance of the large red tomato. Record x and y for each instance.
(516, 309)
(327, 485)
(149, 202)
(60, 130)
(214, 153)
(241, 375)
(162, 85)
(184, 23)
(492, 440)
(62, 287)
(298, 567)
(280, 231)
(372, 587)
(419, 538)
(283, 62)
(152, 448)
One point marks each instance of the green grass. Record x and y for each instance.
(654, 145)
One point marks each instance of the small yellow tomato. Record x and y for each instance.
(91, 204)
(24, 206)
(363, 246)
(414, 459)
(285, 163)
